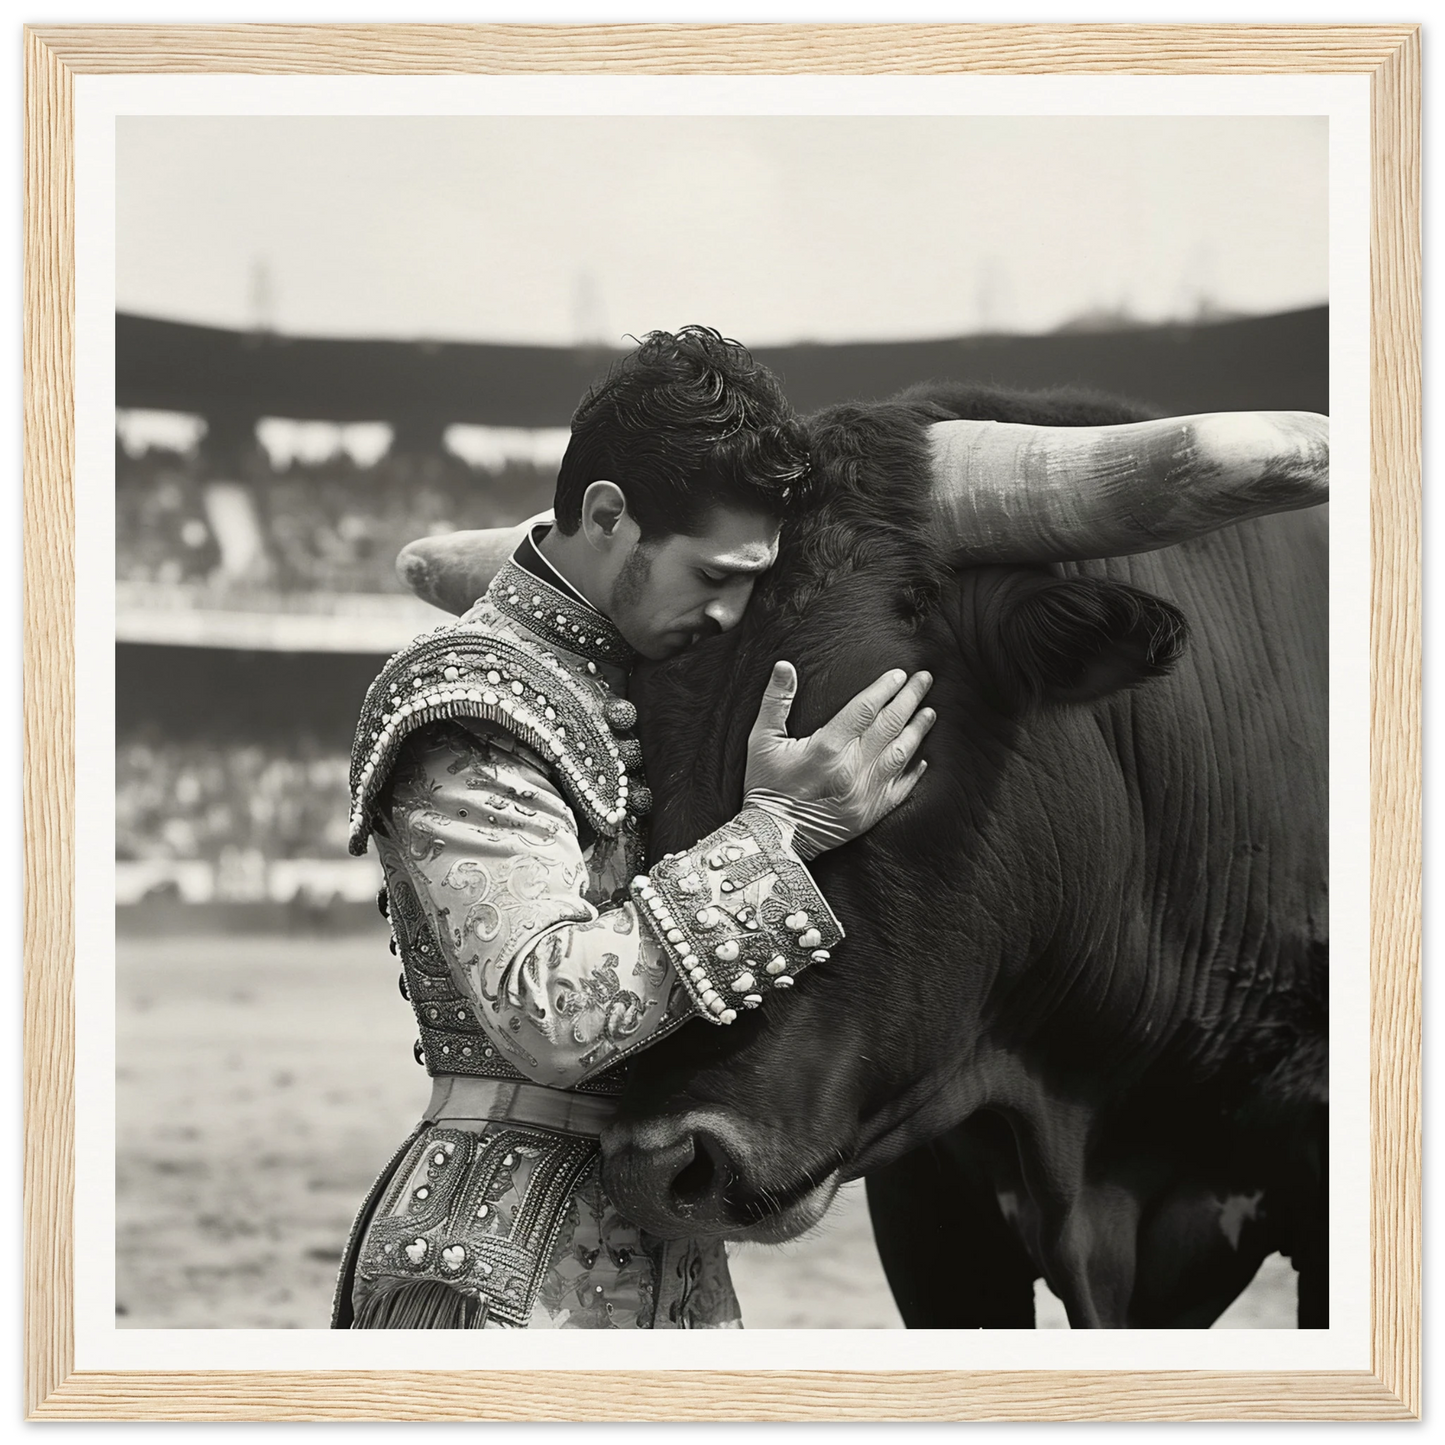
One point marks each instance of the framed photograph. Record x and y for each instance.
(1069, 1117)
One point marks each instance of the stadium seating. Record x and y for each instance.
(193, 800)
(332, 526)
(161, 532)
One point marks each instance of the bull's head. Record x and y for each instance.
(970, 909)
(960, 908)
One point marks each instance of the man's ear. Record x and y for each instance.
(603, 507)
(1077, 639)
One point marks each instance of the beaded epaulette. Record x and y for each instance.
(466, 670)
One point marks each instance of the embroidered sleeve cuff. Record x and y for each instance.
(738, 915)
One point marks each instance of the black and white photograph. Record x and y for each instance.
(722, 722)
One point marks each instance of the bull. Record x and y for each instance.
(1078, 1029)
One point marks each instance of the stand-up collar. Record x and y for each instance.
(532, 592)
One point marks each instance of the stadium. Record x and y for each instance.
(264, 485)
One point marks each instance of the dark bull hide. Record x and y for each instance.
(1077, 1028)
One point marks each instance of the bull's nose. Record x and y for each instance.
(671, 1177)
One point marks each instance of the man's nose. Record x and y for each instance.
(726, 612)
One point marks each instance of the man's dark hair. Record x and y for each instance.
(687, 422)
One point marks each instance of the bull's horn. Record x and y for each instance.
(451, 571)
(1009, 493)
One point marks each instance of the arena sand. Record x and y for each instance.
(260, 1084)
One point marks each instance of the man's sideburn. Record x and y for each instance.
(636, 571)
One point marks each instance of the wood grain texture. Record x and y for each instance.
(724, 1395)
(49, 718)
(1390, 54)
(1395, 494)
(727, 49)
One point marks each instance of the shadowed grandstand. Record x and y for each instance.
(1277, 362)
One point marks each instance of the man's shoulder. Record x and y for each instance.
(483, 669)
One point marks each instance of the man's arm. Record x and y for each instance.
(563, 986)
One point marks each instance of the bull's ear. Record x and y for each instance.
(1073, 640)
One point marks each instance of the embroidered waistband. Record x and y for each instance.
(459, 1098)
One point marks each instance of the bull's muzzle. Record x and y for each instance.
(699, 1174)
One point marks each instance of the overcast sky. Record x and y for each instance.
(559, 230)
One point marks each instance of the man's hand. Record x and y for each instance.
(854, 770)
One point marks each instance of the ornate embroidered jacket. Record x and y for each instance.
(495, 765)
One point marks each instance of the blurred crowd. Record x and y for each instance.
(161, 531)
(183, 800)
(309, 508)
(332, 526)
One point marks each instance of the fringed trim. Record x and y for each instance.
(346, 1275)
(419, 1304)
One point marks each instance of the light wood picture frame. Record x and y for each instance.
(1389, 55)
